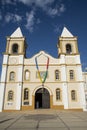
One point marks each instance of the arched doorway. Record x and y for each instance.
(42, 98)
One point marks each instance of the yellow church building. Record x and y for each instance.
(42, 81)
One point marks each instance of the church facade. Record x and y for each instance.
(41, 81)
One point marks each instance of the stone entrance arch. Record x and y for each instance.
(42, 99)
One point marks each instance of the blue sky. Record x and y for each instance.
(42, 22)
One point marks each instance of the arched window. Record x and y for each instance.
(57, 74)
(27, 74)
(68, 49)
(12, 76)
(26, 94)
(10, 95)
(73, 95)
(58, 94)
(15, 48)
(71, 73)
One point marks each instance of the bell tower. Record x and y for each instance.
(12, 71)
(67, 43)
(16, 43)
(71, 69)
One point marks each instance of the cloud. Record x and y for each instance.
(26, 2)
(56, 11)
(51, 8)
(0, 16)
(38, 21)
(30, 21)
(12, 17)
(17, 18)
(8, 18)
(58, 28)
(38, 3)
(62, 8)
(46, 6)
(8, 2)
(52, 11)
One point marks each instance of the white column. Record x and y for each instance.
(5, 59)
(18, 97)
(79, 73)
(3, 80)
(2, 86)
(21, 59)
(4, 74)
(62, 59)
(19, 86)
(4, 68)
(77, 59)
(64, 86)
(63, 73)
(20, 72)
(82, 96)
(65, 96)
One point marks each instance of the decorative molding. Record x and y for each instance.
(13, 54)
(54, 82)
